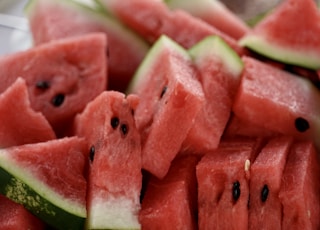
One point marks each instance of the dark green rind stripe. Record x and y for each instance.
(54, 216)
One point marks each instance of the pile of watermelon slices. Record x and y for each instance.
(150, 114)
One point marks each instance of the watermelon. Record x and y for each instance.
(288, 35)
(171, 201)
(263, 99)
(55, 19)
(114, 183)
(219, 70)
(48, 179)
(62, 76)
(300, 188)
(171, 97)
(223, 188)
(215, 13)
(14, 216)
(265, 180)
(151, 19)
(25, 126)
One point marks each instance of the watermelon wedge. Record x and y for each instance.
(171, 97)
(55, 19)
(300, 188)
(48, 179)
(288, 35)
(115, 179)
(62, 76)
(19, 123)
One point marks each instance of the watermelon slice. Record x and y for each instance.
(56, 19)
(47, 178)
(151, 19)
(300, 188)
(62, 76)
(223, 188)
(19, 123)
(171, 201)
(278, 101)
(171, 98)
(265, 180)
(289, 34)
(219, 70)
(215, 13)
(115, 178)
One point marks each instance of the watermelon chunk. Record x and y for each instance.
(151, 19)
(171, 201)
(171, 97)
(223, 188)
(265, 180)
(19, 123)
(278, 101)
(219, 70)
(115, 179)
(300, 188)
(62, 76)
(55, 19)
(48, 179)
(289, 34)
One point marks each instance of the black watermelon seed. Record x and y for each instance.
(124, 129)
(58, 100)
(301, 124)
(264, 193)
(236, 191)
(92, 152)
(114, 122)
(164, 90)
(43, 85)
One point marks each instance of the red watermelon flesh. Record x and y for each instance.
(152, 19)
(172, 201)
(300, 188)
(62, 76)
(56, 19)
(115, 176)
(14, 216)
(19, 123)
(223, 189)
(171, 97)
(265, 210)
(289, 34)
(278, 101)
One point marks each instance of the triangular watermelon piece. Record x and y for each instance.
(62, 76)
(48, 179)
(19, 123)
(115, 179)
(290, 34)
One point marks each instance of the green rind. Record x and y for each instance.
(18, 191)
(214, 45)
(163, 43)
(307, 59)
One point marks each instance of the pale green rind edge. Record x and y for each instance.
(214, 45)
(286, 55)
(40, 188)
(51, 214)
(163, 43)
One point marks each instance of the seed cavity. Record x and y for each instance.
(43, 85)
(264, 193)
(124, 129)
(91, 153)
(301, 124)
(58, 100)
(114, 122)
(236, 191)
(164, 90)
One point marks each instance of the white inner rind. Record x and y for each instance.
(27, 177)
